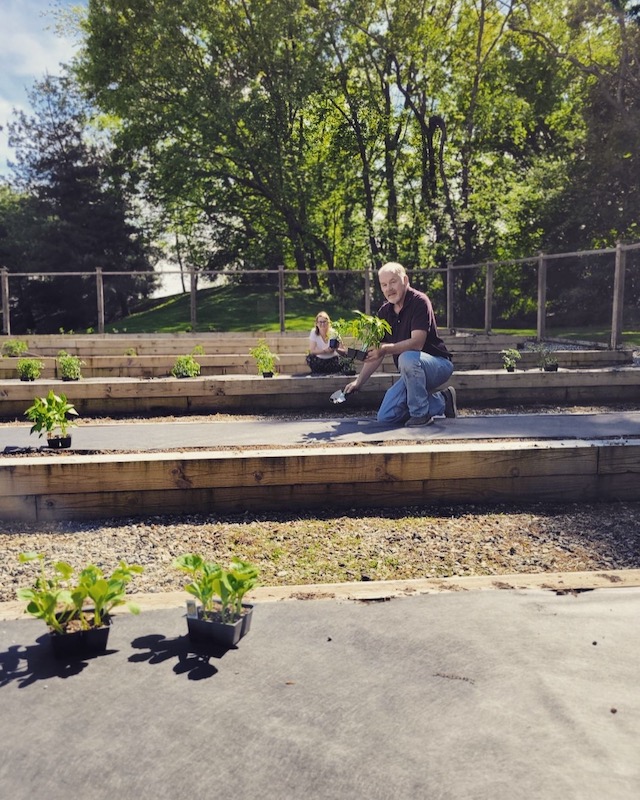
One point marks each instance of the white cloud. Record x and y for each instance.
(29, 48)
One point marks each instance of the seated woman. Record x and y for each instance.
(323, 359)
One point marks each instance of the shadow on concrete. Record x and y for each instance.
(193, 659)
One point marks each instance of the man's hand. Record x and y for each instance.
(351, 387)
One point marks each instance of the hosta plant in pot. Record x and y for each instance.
(76, 605)
(369, 331)
(50, 416)
(221, 617)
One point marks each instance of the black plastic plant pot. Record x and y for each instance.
(361, 355)
(210, 631)
(551, 368)
(80, 644)
(267, 374)
(59, 442)
(333, 343)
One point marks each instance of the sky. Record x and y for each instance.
(29, 49)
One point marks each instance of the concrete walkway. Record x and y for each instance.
(183, 433)
(523, 694)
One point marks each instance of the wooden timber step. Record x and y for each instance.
(252, 393)
(43, 488)
(156, 366)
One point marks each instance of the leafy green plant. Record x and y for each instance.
(220, 591)
(369, 330)
(264, 358)
(29, 369)
(185, 367)
(60, 593)
(69, 367)
(546, 358)
(14, 348)
(198, 350)
(50, 414)
(510, 358)
(131, 351)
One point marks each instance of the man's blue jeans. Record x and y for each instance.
(415, 392)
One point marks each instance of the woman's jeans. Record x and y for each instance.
(413, 393)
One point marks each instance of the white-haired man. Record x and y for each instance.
(419, 353)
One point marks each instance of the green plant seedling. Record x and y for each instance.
(29, 369)
(14, 348)
(264, 358)
(50, 414)
(510, 357)
(69, 367)
(185, 367)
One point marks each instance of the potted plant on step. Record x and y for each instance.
(369, 331)
(510, 358)
(69, 367)
(14, 348)
(76, 605)
(547, 361)
(29, 369)
(50, 414)
(221, 618)
(185, 367)
(264, 358)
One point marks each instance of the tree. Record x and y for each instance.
(78, 215)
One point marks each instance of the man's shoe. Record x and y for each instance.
(414, 422)
(450, 407)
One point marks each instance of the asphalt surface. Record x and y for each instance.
(143, 435)
(474, 695)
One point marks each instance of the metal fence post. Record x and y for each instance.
(4, 285)
(450, 290)
(281, 306)
(542, 297)
(367, 291)
(618, 297)
(488, 299)
(193, 288)
(100, 297)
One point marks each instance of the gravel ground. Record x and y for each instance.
(294, 549)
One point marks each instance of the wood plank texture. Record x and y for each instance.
(82, 487)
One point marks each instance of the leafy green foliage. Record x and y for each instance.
(368, 330)
(61, 594)
(69, 366)
(185, 367)
(50, 413)
(14, 348)
(510, 357)
(29, 369)
(264, 358)
(216, 587)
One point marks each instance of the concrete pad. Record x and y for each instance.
(182, 433)
(480, 694)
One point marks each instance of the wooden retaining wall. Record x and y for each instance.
(67, 487)
(252, 393)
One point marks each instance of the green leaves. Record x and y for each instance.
(50, 413)
(212, 584)
(61, 594)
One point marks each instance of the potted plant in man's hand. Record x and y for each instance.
(369, 331)
(76, 605)
(221, 617)
(50, 414)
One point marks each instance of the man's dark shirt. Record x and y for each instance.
(416, 314)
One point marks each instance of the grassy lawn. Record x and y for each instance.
(240, 308)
